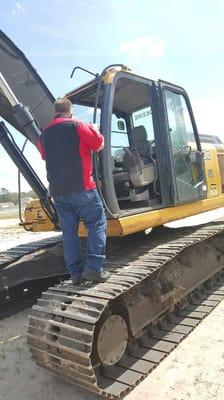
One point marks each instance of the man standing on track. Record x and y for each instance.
(67, 145)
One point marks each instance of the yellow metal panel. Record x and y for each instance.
(36, 220)
(114, 228)
(221, 167)
(110, 74)
(154, 218)
(139, 222)
(212, 172)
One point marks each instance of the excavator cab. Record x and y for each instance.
(152, 157)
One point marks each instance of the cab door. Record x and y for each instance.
(185, 150)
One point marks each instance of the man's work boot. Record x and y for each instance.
(77, 280)
(96, 276)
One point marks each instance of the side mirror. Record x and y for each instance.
(120, 125)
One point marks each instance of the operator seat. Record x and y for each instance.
(139, 159)
(141, 144)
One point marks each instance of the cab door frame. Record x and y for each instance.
(106, 115)
(162, 86)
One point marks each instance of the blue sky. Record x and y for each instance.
(178, 41)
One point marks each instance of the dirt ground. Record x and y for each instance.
(194, 370)
(11, 234)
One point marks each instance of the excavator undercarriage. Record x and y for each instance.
(108, 337)
(28, 266)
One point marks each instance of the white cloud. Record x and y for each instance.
(18, 9)
(150, 46)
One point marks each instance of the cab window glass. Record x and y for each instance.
(180, 125)
(119, 137)
(144, 117)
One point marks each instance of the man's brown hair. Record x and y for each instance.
(62, 105)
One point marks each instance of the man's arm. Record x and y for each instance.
(90, 136)
(41, 149)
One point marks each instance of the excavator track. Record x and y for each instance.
(107, 337)
(26, 265)
(14, 253)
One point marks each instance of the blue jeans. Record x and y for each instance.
(86, 205)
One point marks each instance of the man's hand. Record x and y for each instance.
(95, 126)
(101, 147)
(90, 136)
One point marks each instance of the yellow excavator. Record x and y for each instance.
(107, 337)
(153, 158)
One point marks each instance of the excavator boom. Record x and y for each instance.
(26, 85)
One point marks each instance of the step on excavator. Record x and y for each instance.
(107, 337)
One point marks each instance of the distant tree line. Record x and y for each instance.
(7, 196)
